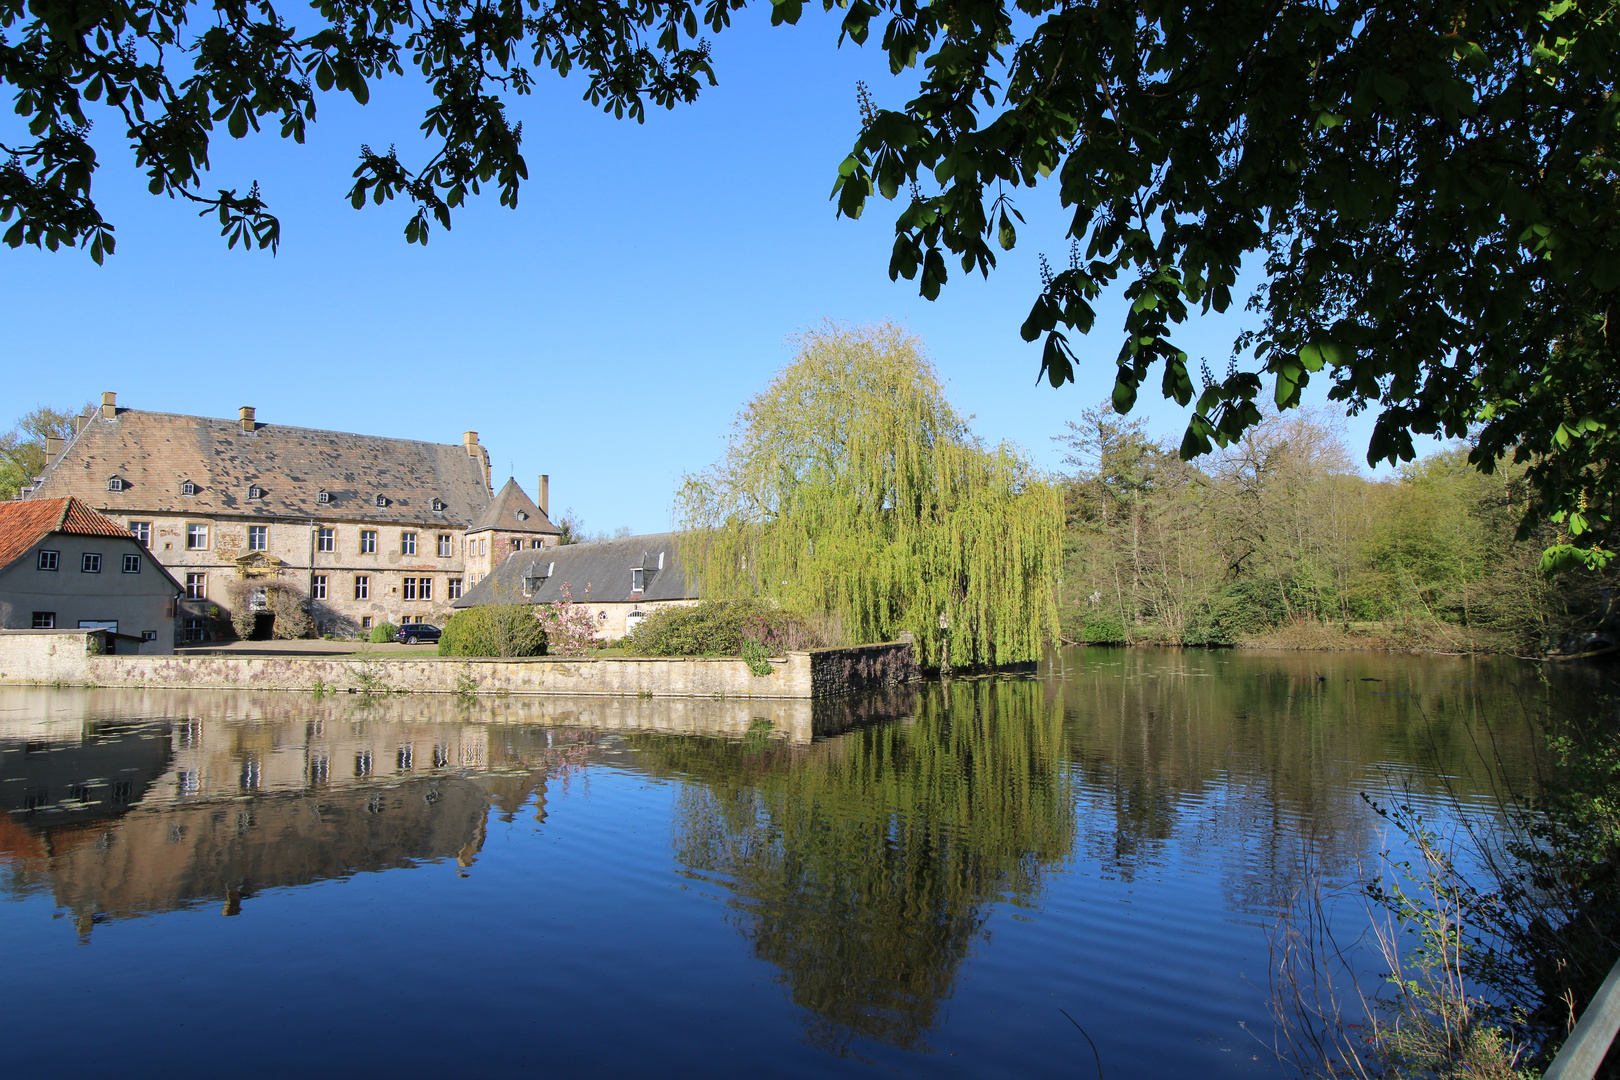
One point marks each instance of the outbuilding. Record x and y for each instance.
(63, 566)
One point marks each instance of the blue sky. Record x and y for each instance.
(604, 332)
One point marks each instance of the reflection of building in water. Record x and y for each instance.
(127, 818)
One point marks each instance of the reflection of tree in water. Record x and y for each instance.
(862, 865)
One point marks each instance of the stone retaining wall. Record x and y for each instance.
(65, 657)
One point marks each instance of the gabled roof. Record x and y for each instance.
(513, 511)
(154, 453)
(24, 524)
(603, 568)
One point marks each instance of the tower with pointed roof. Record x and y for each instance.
(511, 522)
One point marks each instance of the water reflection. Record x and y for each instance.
(862, 867)
(1105, 837)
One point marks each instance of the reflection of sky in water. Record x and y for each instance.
(608, 887)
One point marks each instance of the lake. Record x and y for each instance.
(920, 883)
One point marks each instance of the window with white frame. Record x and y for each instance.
(382, 500)
(424, 589)
(116, 483)
(90, 562)
(132, 564)
(188, 488)
(362, 587)
(368, 541)
(324, 497)
(258, 538)
(142, 531)
(255, 491)
(438, 506)
(148, 635)
(453, 588)
(49, 560)
(517, 543)
(317, 587)
(408, 589)
(638, 578)
(326, 540)
(196, 536)
(196, 586)
(44, 620)
(446, 546)
(194, 628)
(365, 622)
(407, 543)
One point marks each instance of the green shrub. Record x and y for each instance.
(495, 630)
(383, 631)
(720, 628)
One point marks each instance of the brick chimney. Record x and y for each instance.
(109, 406)
(249, 425)
(542, 498)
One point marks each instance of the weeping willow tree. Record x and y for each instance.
(851, 489)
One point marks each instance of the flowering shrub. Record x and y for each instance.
(568, 626)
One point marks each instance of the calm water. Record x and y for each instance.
(266, 884)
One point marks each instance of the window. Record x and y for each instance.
(255, 491)
(365, 622)
(424, 589)
(90, 562)
(362, 763)
(438, 506)
(194, 627)
(453, 588)
(115, 484)
(196, 586)
(44, 620)
(132, 564)
(187, 782)
(407, 543)
(317, 587)
(142, 531)
(258, 537)
(446, 546)
(324, 497)
(368, 541)
(538, 544)
(48, 560)
(362, 591)
(382, 500)
(148, 635)
(188, 488)
(326, 540)
(638, 578)
(196, 537)
(517, 543)
(320, 768)
(483, 546)
(405, 761)
(409, 589)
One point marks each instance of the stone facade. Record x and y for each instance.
(358, 529)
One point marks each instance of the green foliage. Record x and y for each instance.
(1276, 537)
(851, 489)
(502, 630)
(721, 628)
(22, 449)
(383, 631)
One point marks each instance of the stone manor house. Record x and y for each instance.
(365, 529)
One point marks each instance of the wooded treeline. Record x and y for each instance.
(1279, 540)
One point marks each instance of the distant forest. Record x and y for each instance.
(1279, 540)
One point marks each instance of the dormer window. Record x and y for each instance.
(255, 492)
(324, 497)
(438, 506)
(638, 578)
(188, 488)
(382, 500)
(115, 484)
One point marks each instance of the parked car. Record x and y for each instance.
(412, 633)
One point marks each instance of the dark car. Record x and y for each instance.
(411, 633)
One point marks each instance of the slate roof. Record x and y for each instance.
(503, 513)
(603, 566)
(154, 453)
(24, 524)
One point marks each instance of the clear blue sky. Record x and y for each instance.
(605, 332)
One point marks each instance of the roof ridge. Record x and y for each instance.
(262, 424)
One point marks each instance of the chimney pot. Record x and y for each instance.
(248, 423)
(543, 499)
(109, 405)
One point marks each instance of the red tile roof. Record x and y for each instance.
(24, 524)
